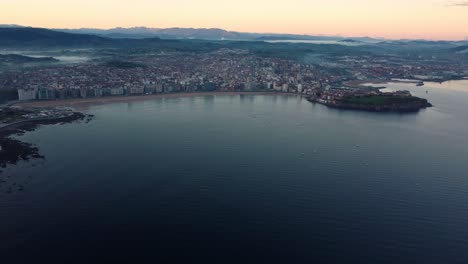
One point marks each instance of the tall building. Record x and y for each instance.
(27, 94)
(45, 94)
(299, 88)
(117, 91)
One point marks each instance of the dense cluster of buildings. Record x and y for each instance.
(391, 67)
(223, 70)
(329, 96)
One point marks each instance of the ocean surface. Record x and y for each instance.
(244, 179)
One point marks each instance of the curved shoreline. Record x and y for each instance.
(13, 150)
(362, 83)
(119, 99)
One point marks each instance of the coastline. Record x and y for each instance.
(13, 150)
(358, 83)
(133, 98)
(370, 98)
(371, 82)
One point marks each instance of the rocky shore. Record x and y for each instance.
(13, 150)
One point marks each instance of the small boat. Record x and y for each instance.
(420, 84)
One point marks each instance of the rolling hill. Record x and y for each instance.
(26, 37)
(34, 37)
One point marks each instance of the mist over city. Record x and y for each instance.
(233, 131)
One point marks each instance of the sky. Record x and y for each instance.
(394, 19)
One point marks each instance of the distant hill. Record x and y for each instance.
(135, 32)
(350, 41)
(288, 37)
(167, 33)
(18, 59)
(200, 33)
(194, 33)
(38, 37)
(461, 49)
(221, 34)
(25, 37)
(10, 26)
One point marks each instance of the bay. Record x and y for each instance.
(246, 178)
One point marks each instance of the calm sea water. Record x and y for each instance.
(245, 179)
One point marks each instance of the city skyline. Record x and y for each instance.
(398, 19)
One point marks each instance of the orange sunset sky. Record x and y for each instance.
(428, 19)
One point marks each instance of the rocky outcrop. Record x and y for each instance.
(13, 150)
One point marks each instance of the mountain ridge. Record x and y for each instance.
(193, 33)
(25, 37)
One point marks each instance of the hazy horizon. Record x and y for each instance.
(397, 19)
(247, 32)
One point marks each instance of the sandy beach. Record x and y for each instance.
(115, 99)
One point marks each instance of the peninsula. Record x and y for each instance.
(372, 101)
